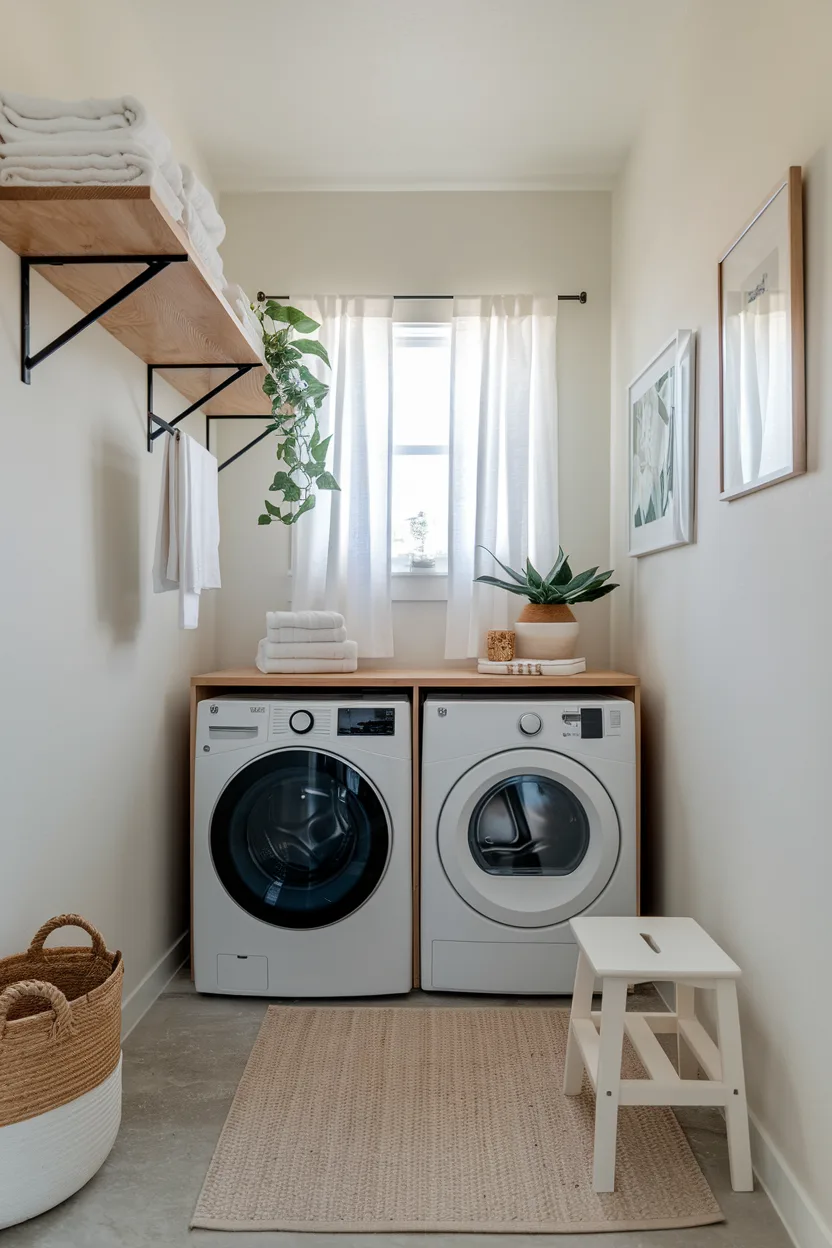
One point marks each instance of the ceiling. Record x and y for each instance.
(411, 94)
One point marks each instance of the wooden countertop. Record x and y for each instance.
(405, 677)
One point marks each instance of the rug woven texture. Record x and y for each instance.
(444, 1119)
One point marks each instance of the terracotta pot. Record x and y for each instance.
(546, 631)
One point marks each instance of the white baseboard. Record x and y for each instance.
(135, 1006)
(791, 1201)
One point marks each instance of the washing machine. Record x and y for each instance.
(302, 846)
(528, 819)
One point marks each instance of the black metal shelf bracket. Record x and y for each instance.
(28, 362)
(165, 427)
(242, 449)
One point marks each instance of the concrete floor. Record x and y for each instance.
(182, 1064)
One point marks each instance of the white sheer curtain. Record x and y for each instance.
(341, 557)
(504, 456)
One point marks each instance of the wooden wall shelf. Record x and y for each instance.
(419, 681)
(178, 317)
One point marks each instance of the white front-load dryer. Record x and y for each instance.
(528, 819)
(302, 878)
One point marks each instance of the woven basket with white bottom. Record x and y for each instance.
(60, 1069)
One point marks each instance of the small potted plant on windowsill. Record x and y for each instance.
(546, 627)
(418, 525)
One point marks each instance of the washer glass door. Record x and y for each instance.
(529, 837)
(300, 838)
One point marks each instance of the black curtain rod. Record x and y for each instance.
(581, 298)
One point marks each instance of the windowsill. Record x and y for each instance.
(419, 584)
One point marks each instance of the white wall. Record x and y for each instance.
(731, 635)
(94, 671)
(425, 243)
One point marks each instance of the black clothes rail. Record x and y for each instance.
(580, 298)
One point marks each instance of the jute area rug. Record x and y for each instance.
(410, 1119)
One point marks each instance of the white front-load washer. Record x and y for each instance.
(528, 819)
(302, 881)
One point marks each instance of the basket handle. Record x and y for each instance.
(99, 949)
(61, 1010)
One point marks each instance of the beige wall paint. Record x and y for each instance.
(95, 672)
(74, 49)
(425, 243)
(731, 635)
(94, 668)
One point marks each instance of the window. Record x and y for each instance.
(420, 468)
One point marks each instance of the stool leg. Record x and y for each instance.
(733, 1076)
(686, 1060)
(608, 1083)
(573, 1070)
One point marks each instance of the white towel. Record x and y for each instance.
(199, 203)
(240, 305)
(348, 664)
(307, 650)
(188, 530)
(99, 162)
(205, 249)
(304, 619)
(71, 124)
(305, 636)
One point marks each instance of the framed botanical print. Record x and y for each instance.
(661, 404)
(762, 399)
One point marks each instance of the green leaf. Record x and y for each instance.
(556, 566)
(272, 510)
(564, 574)
(326, 481)
(291, 316)
(270, 386)
(307, 505)
(521, 580)
(264, 519)
(533, 576)
(320, 449)
(578, 582)
(311, 346)
(288, 454)
(314, 387)
(593, 595)
(291, 490)
(311, 468)
(522, 590)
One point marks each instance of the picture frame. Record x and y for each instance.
(661, 404)
(762, 379)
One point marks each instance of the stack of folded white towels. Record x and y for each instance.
(113, 142)
(306, 641)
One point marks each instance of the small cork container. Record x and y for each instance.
(500, 646)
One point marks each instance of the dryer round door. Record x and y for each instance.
(529, 838)
(300, 838)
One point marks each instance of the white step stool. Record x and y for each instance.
(622, 951)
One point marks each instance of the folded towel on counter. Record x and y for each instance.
(348, 664)
(199, 203)
(305, 636)
(188, 531)
(304, 619)
(101, 162)
(308, 649)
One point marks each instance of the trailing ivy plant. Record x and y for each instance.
(296, 397)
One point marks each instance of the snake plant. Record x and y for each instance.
(558, 587)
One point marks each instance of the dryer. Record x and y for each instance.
(528, 819)
(302, 877)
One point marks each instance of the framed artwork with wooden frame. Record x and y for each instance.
(762, 384)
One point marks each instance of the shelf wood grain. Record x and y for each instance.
(180, 317)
